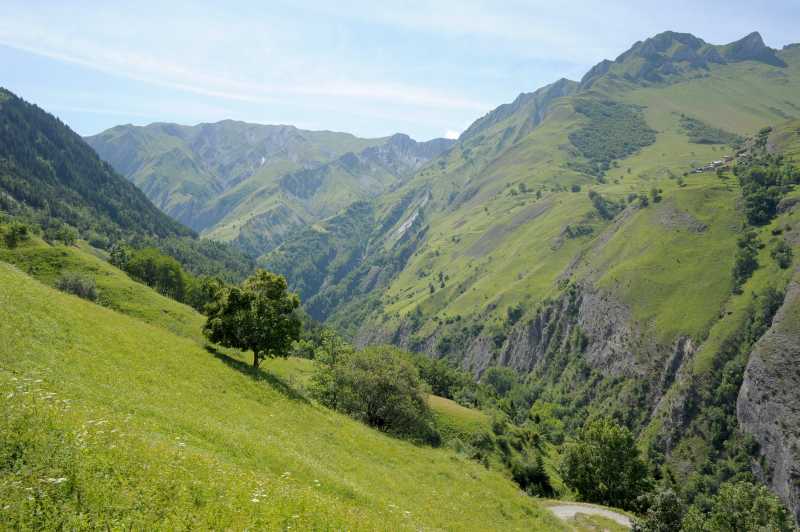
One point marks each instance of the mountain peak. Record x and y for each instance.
(673, 54)
(752, 48)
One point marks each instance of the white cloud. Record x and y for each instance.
(215, 82)
(451, 134)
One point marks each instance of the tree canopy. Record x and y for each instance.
(259, 315)
(603, 465)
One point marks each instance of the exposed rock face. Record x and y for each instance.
(768, 406)
(752, 48)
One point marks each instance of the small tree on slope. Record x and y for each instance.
(258, 316)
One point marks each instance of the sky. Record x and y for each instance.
(371, 68)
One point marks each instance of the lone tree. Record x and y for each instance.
(258, 316)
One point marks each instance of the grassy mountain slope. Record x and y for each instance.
(254, 184)
(182, 168)
(47, 263)
(499, 217)
(47, 170)
(497, 253)
(136, 427)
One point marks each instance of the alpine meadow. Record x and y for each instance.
(577, 311)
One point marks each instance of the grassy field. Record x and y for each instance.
(108, 421)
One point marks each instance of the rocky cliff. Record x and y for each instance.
(768, 406)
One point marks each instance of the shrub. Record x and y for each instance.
(782, 254)
(532, 477)
(378, 386)
(664, 513)
(603, 465)
(746, 259)
(15, 233)
(500, 379)
(701, 133)
(158, 271)
(605, 208)
(65, 234)
(78, 284)
(740, 506)
(655, 194)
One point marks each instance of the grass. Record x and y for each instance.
(452, 420)
(673, 279)
(149, 430)
(116, 290)
(455, 421)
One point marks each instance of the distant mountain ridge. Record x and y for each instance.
(251, 183)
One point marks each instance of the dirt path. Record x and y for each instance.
(568, 511)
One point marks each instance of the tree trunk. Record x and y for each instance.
(256, 359)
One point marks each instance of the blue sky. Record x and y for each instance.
(368, 67)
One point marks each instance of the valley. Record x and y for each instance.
(589, 296)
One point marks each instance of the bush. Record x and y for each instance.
(61, 233)
(159, 271)
(664, 513)
(782, 254)
(746, 259)
(15, 233)
(500, 379)
(655, 194)
(701, 133)
(603, 466)
(78, 284)
(532, 477)
(605, 208)
(378, 386)
(740, 506)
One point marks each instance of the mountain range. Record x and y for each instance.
(589, 235)
(253, 184)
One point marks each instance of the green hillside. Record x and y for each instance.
(47, 171)
(255, 184)
(47, 263)
(170, 436)
(52, 180)
(568, 235)
(626, 244)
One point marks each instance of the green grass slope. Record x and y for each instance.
(116, 290)
(108, 422)
(197, 173)
(496, 216)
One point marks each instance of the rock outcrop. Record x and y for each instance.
(768, 405)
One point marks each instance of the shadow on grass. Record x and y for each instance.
(258, 374)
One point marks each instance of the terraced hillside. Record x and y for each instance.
(570, 235)
(253, 184)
